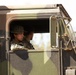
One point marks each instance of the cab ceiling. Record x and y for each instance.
(39, 25)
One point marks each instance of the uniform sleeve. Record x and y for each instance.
(14, 46)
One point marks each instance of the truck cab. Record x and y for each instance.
(53, 40)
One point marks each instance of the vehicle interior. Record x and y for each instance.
(40, 27)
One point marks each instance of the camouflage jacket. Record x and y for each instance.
(28, 45)
(22, 44)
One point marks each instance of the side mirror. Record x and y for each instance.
(53, 24)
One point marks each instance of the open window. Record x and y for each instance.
(41, 38)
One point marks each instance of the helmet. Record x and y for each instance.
(18, 29)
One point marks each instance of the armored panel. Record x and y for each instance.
(32, 63)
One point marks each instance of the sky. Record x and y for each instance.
(69, 5)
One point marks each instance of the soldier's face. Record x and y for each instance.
(19, 36)
(31, 35)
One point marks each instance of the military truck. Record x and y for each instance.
(53, 40)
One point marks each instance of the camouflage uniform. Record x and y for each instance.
(22, 44)
(15, 44)
(28, 45)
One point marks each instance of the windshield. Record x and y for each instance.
(70, 30)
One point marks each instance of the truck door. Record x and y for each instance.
(41, 61)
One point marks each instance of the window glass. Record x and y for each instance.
(69, 30)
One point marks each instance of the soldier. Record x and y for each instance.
(18, 33)
(19, 41)
(28, 37)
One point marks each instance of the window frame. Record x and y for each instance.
(20, 18)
